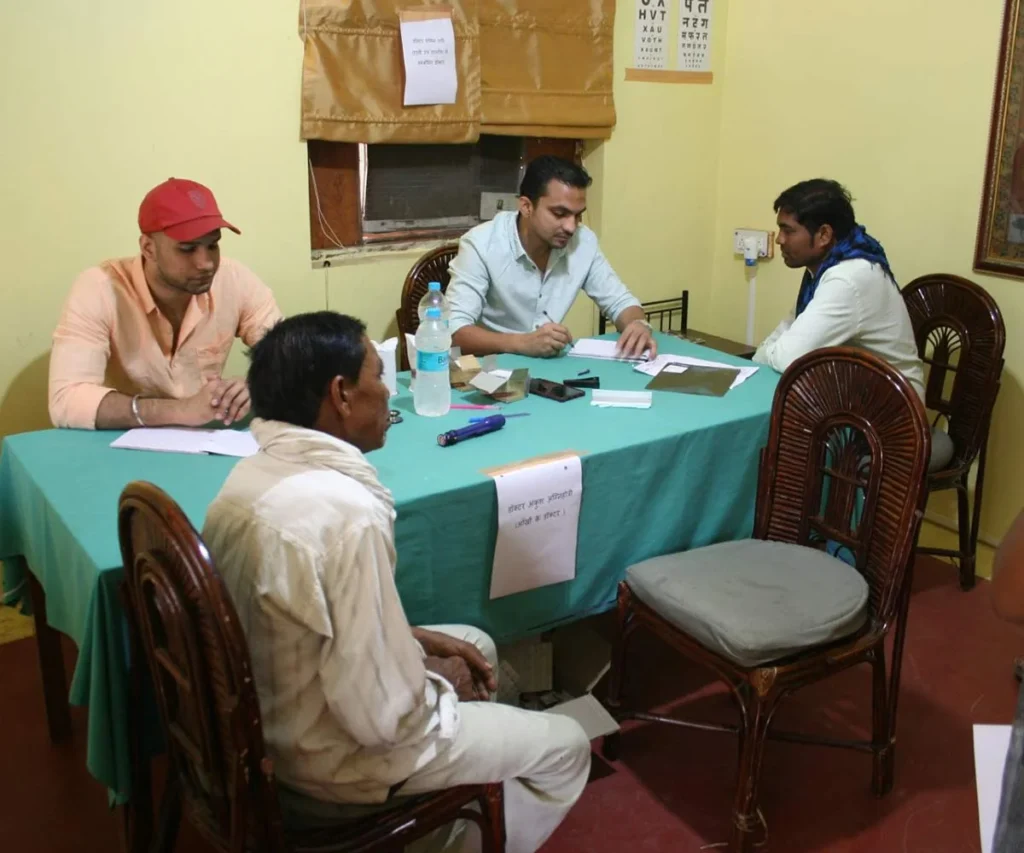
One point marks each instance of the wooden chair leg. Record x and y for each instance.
(964, 532)
(169, 819)
(746, 816)
(882, 746)
(51, 667)
(494, 809)
(979, 485)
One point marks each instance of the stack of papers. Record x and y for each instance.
(220, 442)
(600, 348)
(679, 363)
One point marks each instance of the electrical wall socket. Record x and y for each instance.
(491, 204)
(765, 241)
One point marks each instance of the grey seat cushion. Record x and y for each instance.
(942, 450)
(754, 601)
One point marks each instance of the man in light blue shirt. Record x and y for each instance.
(516, 277)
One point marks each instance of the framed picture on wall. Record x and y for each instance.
(1000, 245)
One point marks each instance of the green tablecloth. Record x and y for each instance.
(678, 475)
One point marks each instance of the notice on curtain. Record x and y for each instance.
(428, 51)
(650, 32)
(694, 48)
(538, 522)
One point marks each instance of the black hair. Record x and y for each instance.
(547, 168)
(292, 365)
(818, 202)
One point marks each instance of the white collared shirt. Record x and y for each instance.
(856, 304)
(302, 534)
(495, 283)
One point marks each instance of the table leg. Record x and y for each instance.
(51, 667)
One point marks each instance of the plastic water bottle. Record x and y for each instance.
(432, 395)
(434, 298)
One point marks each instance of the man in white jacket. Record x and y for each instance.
(848, 296)
(358, 707)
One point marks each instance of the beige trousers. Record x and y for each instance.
(543, 760)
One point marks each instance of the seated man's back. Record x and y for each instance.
(303, 551)
(358, 706)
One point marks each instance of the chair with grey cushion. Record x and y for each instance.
(844, 469)
(960, 337)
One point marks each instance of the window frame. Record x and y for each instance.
(337, 173)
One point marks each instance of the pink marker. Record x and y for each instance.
(472, 406)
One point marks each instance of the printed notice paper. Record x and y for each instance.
(538, 522)
(428, 50)
(694, 48)
(650, 34)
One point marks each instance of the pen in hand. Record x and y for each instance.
(550, 320)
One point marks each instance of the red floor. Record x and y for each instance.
(672, 789)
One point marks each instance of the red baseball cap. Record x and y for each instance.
(183, 210)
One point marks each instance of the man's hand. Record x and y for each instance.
(635, 339)
(224, 400)
(457, 673)
(445, 647)
(546, 342)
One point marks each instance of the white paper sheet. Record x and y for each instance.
(388, 351)
(428, 50)
(673, 362)
(991, 743)
(220, 442)
(599, 348)
(538, 522)
(589, 713)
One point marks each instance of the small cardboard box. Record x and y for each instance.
(503, 385)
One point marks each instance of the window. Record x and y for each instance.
(363, 195)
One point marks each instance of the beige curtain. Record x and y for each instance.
(525, 67)
(546, 68)
(353, 77)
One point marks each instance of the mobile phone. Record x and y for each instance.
(553, 390)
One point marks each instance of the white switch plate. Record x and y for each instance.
(491, 204)
(765, 241)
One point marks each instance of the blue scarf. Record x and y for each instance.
(857, 244)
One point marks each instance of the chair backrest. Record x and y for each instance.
(665, 314)
(433, 266)
(193, 646)
(845, 465)
(960, 336)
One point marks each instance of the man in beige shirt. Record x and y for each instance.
(142, 341)
(358, 707)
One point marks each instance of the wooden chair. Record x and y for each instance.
(844, 468)
(184, 628)
(960, 337)
(433, 266)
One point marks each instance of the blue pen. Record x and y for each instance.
(454, 436)
(513, 415)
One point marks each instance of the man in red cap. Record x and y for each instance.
(142, 341)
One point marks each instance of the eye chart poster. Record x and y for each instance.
(693, 52)
(651, 28)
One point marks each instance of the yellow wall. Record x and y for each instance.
(893, 100)
(103, 100)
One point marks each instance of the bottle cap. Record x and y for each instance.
(434, 285)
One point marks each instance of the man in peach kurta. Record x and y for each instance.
(142, 341)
